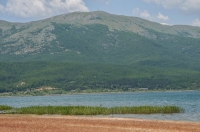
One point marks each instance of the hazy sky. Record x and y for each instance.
(184, 12)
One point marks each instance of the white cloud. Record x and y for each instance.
(196, 22)
(1, 8)
(136, 11)
(162, 17)
(191, 7)
(165, 24)
(42, 8)
(107, 2)
(185, 6)
(165, 3)
(144, 14)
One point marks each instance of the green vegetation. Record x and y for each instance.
(88, 110)
(62, 77)
(147, 110)
(95, 43)
(57, 56)
(4, 107)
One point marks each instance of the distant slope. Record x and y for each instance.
(97, 36)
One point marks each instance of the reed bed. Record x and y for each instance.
(88, 110)
(147, 110)
(4, 107)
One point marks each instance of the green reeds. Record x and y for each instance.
(88, 110)
(4, 107)
(63, 110)
(147, 110)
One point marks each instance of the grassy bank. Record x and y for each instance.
(88, 110)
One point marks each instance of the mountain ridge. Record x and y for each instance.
(95, 17)
(98, 37)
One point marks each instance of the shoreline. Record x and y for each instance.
(57, 123)
(82, 93)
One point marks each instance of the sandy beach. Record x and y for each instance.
(45, 123)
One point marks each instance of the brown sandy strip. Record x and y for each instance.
(33, 123)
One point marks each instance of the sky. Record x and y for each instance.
(170, 12)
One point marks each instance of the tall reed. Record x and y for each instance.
(89, 110)
(4, 107)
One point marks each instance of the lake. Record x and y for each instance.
(190, 101)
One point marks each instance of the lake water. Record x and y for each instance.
(190, 101)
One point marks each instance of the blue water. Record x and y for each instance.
(190, 101)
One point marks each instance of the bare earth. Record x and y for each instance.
(33, 123)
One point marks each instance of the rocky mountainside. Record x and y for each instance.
(98, 37)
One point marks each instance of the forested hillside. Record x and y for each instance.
(97, 50)
(25, 76)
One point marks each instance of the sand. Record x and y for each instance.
(46, 123)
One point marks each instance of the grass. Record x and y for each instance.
(147, 110)
(4, 107)
(88, 110)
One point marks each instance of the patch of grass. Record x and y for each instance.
(147, 110)
(88, 110)
(63, 110)
(4, 107)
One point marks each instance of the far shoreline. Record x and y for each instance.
(83, 93)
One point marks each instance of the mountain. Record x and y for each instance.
(122, 51)
(97, 37)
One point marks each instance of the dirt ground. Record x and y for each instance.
(45, 123)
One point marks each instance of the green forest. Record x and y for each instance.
(67, 76)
